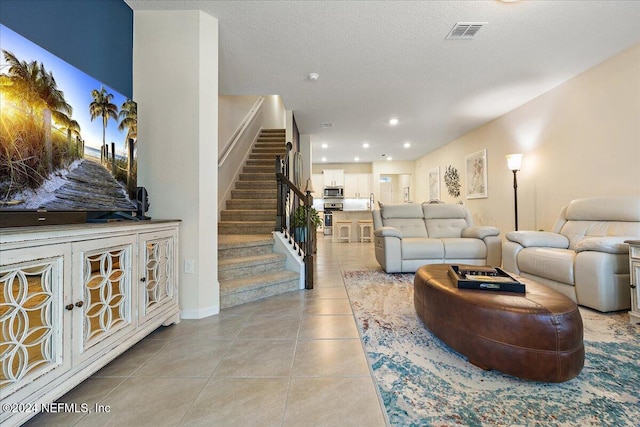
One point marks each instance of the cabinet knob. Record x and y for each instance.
(69, 307)
(143, 279)
(633, 286)
(79, 304)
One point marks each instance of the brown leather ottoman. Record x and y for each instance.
(535, 336)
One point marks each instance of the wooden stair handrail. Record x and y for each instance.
(290, 196)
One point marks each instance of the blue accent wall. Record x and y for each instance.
(95, 36)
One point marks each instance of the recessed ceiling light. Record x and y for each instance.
(365, 145)
(324, 145)
(393, 122)
(389, 158)
(357, 159)
(314, 76)
(407, 144)
(324, 159)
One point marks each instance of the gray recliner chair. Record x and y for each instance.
(584, 256)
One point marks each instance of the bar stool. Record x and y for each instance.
(338, 226)
(366, 225)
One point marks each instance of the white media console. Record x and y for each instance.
(73, 297)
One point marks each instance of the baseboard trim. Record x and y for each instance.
(200, 313)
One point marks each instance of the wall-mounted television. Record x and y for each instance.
(67, 141)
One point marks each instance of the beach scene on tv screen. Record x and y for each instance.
(67, 141)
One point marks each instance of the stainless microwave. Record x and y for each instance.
(333, 192)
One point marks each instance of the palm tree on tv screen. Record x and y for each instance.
(129, 120)
(35, 88)
(101, 106)
(31, 150)
(72, 128)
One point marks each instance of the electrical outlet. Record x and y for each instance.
(189, 266)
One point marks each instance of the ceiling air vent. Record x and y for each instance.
(327, 125)
(465, 30)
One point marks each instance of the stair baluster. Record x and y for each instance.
(294, 206)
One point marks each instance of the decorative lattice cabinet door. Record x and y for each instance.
(103, 294)
(33, 321)
(72, 299)
(157, 270)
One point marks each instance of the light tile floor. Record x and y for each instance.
(291, 360)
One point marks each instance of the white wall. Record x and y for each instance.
(274, 113)
(580, 139)
(175, 68)
(231, 110)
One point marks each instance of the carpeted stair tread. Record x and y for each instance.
(266, 193)
(261, 162)
(246, 227)
(250, 204)
(259, 169)
(262, 156)
(269, 151)
(248, 223)
(235, 268)
(250, 261)
(244, 240)
(270, 144)
(248, 214)
(248, 289)
(242, 245)
(258, 281)
(248, 185)
(259, 176)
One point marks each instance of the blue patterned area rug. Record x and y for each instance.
(424, 383)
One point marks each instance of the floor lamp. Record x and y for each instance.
(514, 161)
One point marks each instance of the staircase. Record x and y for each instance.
(248, 269)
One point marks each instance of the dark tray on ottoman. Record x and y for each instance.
(484, 278)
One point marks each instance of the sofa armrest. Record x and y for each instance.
(545, 239)
(608, 244)
(387, 232)
(480, 231)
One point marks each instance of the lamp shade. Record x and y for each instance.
(514, 161)
(309, 186)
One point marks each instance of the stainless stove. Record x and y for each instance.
(329, 209)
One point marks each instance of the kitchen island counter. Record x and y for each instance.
(354, 216)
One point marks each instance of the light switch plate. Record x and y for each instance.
(189, 266)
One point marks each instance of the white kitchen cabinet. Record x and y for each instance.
(357, 185)
(75, 297)
(317, 179)
(333, 177)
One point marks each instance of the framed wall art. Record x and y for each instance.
(433, 177)
(476, 175)
(452, 181)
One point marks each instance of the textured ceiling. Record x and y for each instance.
(383, 59)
